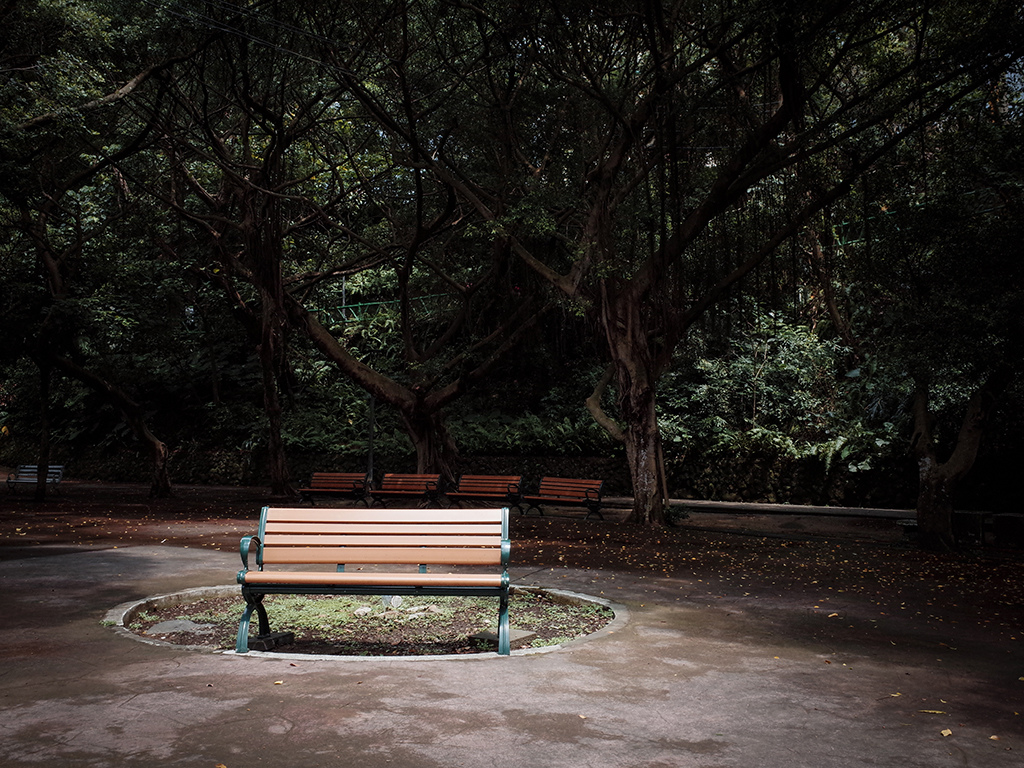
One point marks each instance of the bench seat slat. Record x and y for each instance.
(411, 555)
(374, 578)
(363, 540)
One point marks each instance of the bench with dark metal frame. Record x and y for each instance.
(28, 474)
(427, 488)
(403, 538)
(499, 488)
(351, 485)
(564, 491)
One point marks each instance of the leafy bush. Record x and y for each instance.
(777, 390)
(493, 433)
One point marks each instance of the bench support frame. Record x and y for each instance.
(254, 603)
(253, 594)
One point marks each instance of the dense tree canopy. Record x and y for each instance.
(623, 141)
(497, 180)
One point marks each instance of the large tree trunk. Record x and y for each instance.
(262, 235)
(938, 480)
(161, 486)
(270, 363)
(637, 377)
(43, 459)
(435, 449)
(644, 457)
(424, 422)
(936, 489)
(133, 416)
(266, 331)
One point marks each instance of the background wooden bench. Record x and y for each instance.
(501, 488)
(426, 488)
(404, 538)
(352, 485)
(28, 474)
(564, 491)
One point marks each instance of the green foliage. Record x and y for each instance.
(939, 277)
(501, 433)
(513, 110)
(775, 390)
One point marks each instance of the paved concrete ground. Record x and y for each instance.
(696, 678)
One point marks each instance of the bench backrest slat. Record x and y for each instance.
(28, 474)
(561, 486)
(394, 481)
(32, 470)
(338, 480)
(384, 516)
(399, 529)
(502, 483)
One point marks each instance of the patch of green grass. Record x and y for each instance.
(365, 625)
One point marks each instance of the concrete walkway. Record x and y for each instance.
(693, 679)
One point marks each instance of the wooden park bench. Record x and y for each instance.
(504, 489)
(402, 538)
(351, 485)
(426, 488)
(28, 474)
(563, 491)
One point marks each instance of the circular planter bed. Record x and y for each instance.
(207, 619)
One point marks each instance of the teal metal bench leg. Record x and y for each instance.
(503, 627)
(242, 641)
(252, 603)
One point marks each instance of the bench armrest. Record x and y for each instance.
(249, 543)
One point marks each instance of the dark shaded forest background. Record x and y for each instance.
(736, 250)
